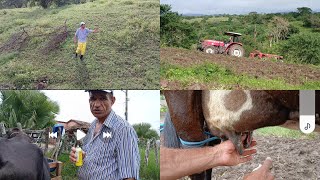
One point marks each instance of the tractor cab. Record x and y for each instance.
(234, 37)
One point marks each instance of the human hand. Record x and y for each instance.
(96, 30)
(73, 157)
(262, 173)
(229, 156)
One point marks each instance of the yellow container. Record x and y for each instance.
(79, 161)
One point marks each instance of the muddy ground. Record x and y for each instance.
(293, 159)
(292, 73)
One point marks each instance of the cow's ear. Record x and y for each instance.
(12, 133)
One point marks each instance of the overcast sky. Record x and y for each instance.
(143, 106)
(238, 6)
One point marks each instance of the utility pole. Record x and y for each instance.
(127, 99)
(126, 105)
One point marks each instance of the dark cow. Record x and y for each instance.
(20, 159)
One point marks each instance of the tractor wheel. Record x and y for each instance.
(236, 50)
(210, 50)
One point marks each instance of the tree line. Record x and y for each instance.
(295, 35)
(6, 4)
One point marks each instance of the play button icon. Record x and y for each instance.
(80, 134)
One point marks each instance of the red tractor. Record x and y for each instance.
(233, 47)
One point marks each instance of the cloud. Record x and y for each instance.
(238, 6)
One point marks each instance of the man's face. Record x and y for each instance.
(83, 26)
(100, 104)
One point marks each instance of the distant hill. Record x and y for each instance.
(194, 15)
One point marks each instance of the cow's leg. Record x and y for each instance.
(185, 109)
(294, 115)
(209, 174)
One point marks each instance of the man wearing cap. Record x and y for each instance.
(110, 148)
(81, 34)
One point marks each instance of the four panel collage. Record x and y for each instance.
(159, 90)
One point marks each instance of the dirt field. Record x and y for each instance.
(292, 73)
(293, 159)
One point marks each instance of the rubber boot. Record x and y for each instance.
(75, 55)
(81, 57)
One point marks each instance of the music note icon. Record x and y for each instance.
(307, 127)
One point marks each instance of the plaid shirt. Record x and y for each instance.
(111, 158)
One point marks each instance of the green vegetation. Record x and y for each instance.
(303, 48)
(144, 131)
(32, 109)
(124, 54)
(294, 35)
(163, 109)
(208, 72)
(152, 171)
(285, 132)
(69, 170)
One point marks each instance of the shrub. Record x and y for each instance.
(303, 48)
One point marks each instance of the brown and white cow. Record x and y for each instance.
(237, 112)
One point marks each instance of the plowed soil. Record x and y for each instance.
(294, 74)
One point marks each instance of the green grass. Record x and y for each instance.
(211, 73)
(152, 171)
(207, 73)
(69, 170)
(5, 58)
(124, 54)
(285, 133)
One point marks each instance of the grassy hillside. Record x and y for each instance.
(124, 54)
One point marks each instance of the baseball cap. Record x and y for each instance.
(95, 90)
(82, 23)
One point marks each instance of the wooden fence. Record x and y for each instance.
(150, 145)
(39, 137)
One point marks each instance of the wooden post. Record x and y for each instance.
(156, 146)
(2, 129)
(59, 169)
(19, 126)
(57, 145)
(46, 136)
(146, 155)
